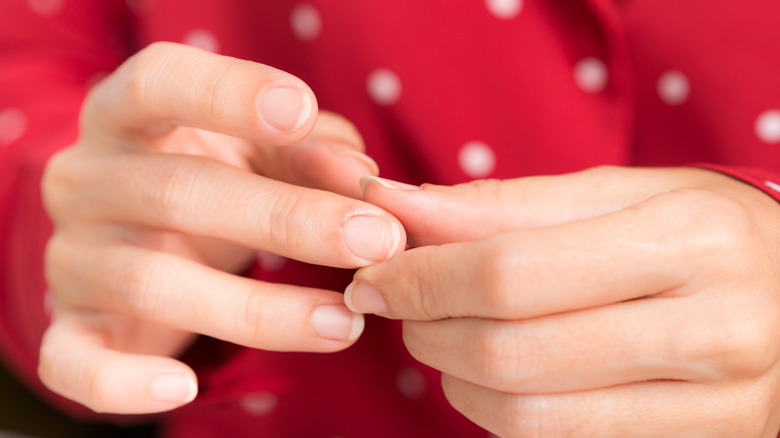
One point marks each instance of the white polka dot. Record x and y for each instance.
(504, 9)
(270, 262)
(768, 126)
(306, 22)
(673, 87)
(259, 403)
(410, 383)
(773, 185)
(384, 86)
(476, 159)
(13, 123)
(591, 75)
(47, 8)
(202, 39)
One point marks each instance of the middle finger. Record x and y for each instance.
(200, 196)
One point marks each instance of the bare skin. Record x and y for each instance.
(188, 164)
(611, 302)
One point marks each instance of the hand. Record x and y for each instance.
(611, 302)
(189, 163)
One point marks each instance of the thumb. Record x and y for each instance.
(436, 215)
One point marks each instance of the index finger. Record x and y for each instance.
(167, 84)
(670, 243)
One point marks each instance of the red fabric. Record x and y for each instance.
(464, 91)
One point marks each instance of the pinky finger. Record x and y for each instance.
(76, 362)
(646, 409)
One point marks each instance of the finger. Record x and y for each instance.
(652, 339)
(672, 243)
(650, 409)
(199, 196)
(169, 84)
(182, 294)
(331, 158)
(77, 362)
(437, 215)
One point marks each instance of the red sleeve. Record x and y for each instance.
(50, 52)
(764, 180)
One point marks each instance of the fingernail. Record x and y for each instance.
(371, 238)
(285, 108)
(368, 161)
(395, 185)
(337, 323)
(364, 298)
(174, 388)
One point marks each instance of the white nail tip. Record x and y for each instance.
(358, 324)
(306, 108)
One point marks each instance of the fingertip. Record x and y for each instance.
(336, 322)
(76, 367)
(373, 238)
(362, 297)
(174, 388)
(288, 107)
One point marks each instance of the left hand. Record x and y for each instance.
(610, 302)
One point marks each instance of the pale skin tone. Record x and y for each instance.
(612, 302)
(188, 164)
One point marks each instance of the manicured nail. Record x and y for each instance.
(285, 108)
(371, 238)
(365, 159)
(337, 323)
(364, 298)
(395, 185)
(174, 388)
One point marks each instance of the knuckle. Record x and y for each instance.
(141, 283)
(212, 77)
(250, 325)
(58, 180)
(429, 304)
(141, 73)
(496, 275)
(745, 348)
(488, 190)
(713, 224)
(536, 417)
(135, 73)
(289, 222)
(172, 197)
(500, 353)
(740, 347)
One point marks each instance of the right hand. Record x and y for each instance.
(189, 163)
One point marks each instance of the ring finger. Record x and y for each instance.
(655, 338)
(176, 292)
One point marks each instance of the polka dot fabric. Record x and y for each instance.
(442, 93)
